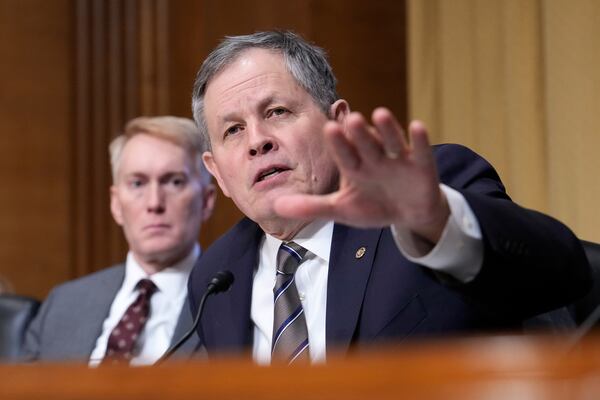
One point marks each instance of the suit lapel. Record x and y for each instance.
(93, 311)
(227, 325)
(184, 323)
(350, 264)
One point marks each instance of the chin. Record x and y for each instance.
(160, 249)
(259, 213)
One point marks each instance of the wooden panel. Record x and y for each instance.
(35, 124)
(121, 73)
(367, 48)
(366, 44)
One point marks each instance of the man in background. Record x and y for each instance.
(133, 312)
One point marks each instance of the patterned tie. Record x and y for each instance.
(121, 342)
(290, 336)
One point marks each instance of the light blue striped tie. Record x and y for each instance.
(290, 336)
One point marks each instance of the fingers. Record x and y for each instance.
(343, 152)
(365, 138)
(420, 142)
(350, 144)
(383, 141)
(356, 143)
(392, 134)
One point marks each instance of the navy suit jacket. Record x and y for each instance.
(532, 264)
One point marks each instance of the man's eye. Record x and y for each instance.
(276, 111)
(136, 183)
(178, 182)
(232, 130)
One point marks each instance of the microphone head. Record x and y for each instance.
(221, 281)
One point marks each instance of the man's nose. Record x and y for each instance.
(260, 140)
(156, 198)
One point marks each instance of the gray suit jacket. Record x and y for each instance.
(70, 319)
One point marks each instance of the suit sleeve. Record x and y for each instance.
(532, 263)
(32, 346)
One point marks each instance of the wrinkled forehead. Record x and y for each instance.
(250, 80)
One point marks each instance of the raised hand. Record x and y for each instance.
(384, 179)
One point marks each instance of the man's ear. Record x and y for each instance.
(339, 110)
(209, 195)
(115, 205)
(213, 168)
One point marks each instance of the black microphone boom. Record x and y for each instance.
(219, 283)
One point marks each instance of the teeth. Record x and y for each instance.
(269, 173)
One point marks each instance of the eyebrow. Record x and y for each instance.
(139, 174)
(263, 103)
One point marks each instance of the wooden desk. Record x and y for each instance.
(481, 368)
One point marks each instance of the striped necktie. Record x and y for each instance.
(290, 335)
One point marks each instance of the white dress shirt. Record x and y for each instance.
(311, 281)
(165, 307)
(459, 253)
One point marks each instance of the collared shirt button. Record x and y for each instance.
(467, 223)
(301, 295)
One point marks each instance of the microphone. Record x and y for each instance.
(219, 283)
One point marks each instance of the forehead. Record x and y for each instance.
(252, 71)
(145, 152)
(249, 64)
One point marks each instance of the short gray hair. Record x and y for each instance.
(306, 62)
(182, 132)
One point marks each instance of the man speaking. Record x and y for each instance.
(355, 234)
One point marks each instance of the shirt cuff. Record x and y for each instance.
(459, 252)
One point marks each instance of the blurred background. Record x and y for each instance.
(516, 80)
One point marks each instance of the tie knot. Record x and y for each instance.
(289, 257)
(146, 287)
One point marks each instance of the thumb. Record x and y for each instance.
(303, 206)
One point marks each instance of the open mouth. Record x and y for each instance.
(269, 173)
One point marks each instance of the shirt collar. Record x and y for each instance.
(172, 281)
(315, 237)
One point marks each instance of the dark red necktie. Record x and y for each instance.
(122, 339)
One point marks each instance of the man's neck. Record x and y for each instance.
(284, 230)
(153, 265)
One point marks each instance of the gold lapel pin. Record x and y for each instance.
(360, 252)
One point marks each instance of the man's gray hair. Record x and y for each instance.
(306, 62)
